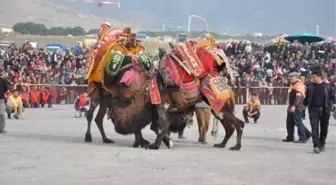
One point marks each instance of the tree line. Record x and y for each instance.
(32, 28)
(41, 29)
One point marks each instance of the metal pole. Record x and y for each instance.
(317, 29)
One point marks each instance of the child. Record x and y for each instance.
(81, 104)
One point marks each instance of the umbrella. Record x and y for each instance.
(304, 37)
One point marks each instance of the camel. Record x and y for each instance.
(117, 74)
(174, 73)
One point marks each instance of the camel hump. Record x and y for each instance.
(127, 30)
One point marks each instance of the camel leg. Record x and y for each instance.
(203, 119)
(163, 127)
(139, 140)
(89, 117)
(229, 130)
(239, 126)
(99, 121)
(154, 127)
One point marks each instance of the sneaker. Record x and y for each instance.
(316, 150)
(322, 149)
(288, 140)
(301, 141)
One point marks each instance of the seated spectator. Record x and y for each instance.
(34, 95)
(25, 98)
(81, 104)
(14, 105)
(46, 97)
(7, 95)
(252, 109)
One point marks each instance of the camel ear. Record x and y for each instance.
(172, 47)
(127, 30)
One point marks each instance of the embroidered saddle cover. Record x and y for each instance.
(109, 55)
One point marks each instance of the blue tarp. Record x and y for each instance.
(141, 36)
(56, 44)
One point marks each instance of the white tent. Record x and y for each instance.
(277, 38)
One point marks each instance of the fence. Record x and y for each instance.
(66, 94)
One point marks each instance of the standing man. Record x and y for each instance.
(297, 91)
(320, 101)
(3, 90)
(304, 80)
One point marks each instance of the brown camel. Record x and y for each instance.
(118, 83)
(189, 92)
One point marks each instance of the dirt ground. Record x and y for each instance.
(47, 148)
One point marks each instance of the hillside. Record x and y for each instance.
(233, 17)
(44, 11)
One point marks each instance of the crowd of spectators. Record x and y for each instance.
(265, 65)
(254, 65)
(39, 67)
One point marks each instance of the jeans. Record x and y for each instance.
(319, 119)
(2, 114)
(255, 117)
(295, 119)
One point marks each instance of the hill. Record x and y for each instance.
(232, 17)
(47, 12)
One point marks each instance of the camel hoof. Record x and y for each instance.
(214, 133)
(182, 137)
(203, 142)
(236, 148)
(168, 142)
(219, 145)
(151, 147)
(108, 141)
(142, 143)
(88, 138)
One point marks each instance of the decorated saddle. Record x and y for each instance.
(107, 59)
(192, 71)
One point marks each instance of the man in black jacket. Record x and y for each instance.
(3, 90)
(320, 100)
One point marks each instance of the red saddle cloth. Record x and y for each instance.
(177, 73)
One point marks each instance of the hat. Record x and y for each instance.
(294, 73)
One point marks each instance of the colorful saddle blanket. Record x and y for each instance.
(97, 53)
(216, 90)
(110, 58)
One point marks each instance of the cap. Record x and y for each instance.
(293, 73)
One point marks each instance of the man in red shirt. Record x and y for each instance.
(46, 97)
(34, 95)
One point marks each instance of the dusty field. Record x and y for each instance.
(150, 45)
(47, 147)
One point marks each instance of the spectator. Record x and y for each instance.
(3, 90)
(252, 109)
(46, 97)
(14, 105)
(81, 105)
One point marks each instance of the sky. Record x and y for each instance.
(233, 17)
